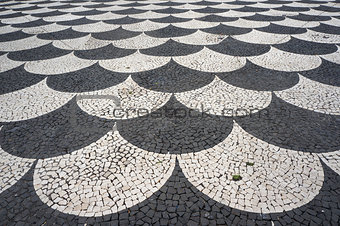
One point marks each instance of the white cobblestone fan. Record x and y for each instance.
(283, 61)
(108, 176)
(82, 43)
(22, 44)
(134, 63)
(58, 65)
(8, 64)
(31, 102)
(129, 99)
(210, 61)
(314, 96)
(141, 41)
(279, 179)
(200, 38)
(220, 98)
(259, 37)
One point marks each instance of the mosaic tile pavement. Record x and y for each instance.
(181, 112)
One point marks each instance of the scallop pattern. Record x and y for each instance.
(193, 112)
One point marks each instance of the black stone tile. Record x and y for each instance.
(129, 11)
(260, 17)
(298, 46)
(68, 33)
(97, 6)
(26, 8)
(277, 2)
(288, 126)
(35, 23)
(205, 3)
(56, 133)
(170, 19)
(216, 18)
(278, 29)
(88, 79)
(233, 47)
(172, 48)
(304, 17)
(170, 129)
(241, 3)
(40, 53)
(292, 9)
(170, 10)
(12, 15)
(209, 10)
(116, 34)
(14, 36)
(254, 77)
(170, 31)
(104, 53)
(222, 29)
(91, 12)
(124, 20)
(327, 73)
(17, 78)
(169, 3)
(327, 8)
(81, 21)
(327, 29)
(52, 13)
(172, 78)
(251, 9)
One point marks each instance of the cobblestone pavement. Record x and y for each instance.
(170, 112)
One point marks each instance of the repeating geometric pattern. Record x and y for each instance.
(203, 90)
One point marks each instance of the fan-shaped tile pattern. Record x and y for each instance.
(84, 80)
(175, 129)
(13, 168)
(170, 31)
(298, 46)
(16, 79)
(31, 102)
(123, 101)
(326, 73)
(259, 37)
(131, 179)
(200, 38)
(287, 126)
(210, 61)
(279, 60)
(141, 41)
(23, 44)
(332, 160)
(116, 34)
(56, 133)
(172, 78)
(8, 64)
(314, 96)
(40, 53)
(136, 62)
(227, 30)
(220, 98)
(82, 43)
(233, 47)
(254, 77)
(172, 48)
(103, 53)
(277, 176)
(59, 65)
